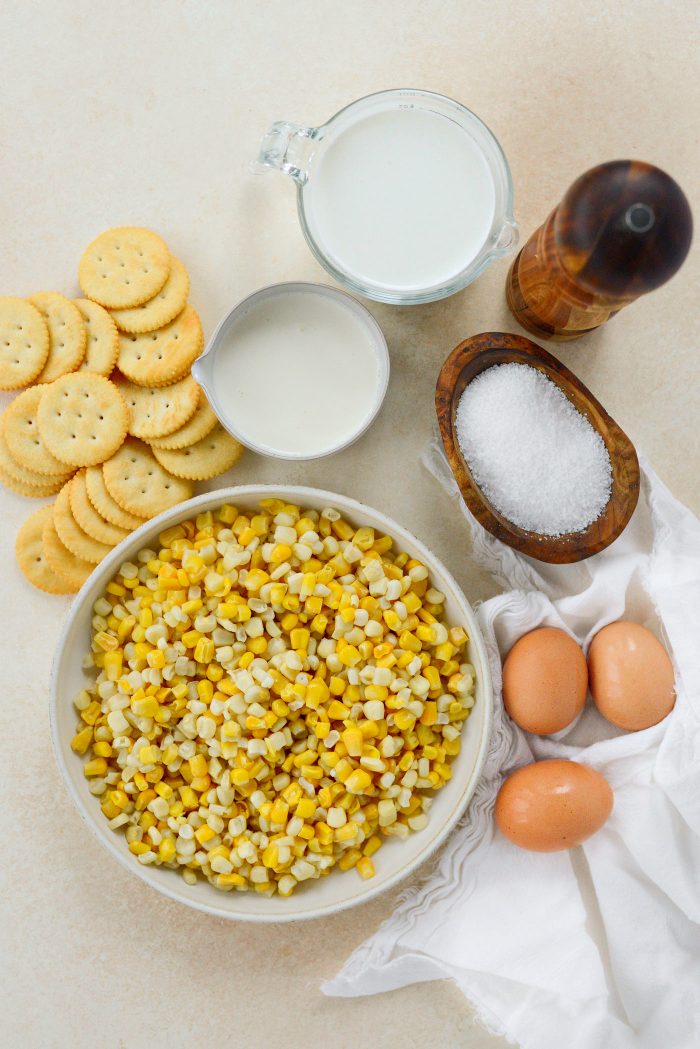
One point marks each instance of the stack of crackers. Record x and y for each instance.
(111, 422)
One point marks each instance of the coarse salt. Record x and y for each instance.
(534, 456)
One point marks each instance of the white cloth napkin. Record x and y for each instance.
(599, 947)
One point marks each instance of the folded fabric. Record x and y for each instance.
(599, 946)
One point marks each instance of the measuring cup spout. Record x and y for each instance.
(508, 237)
(286, 147)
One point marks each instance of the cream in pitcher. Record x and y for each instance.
(404, 196)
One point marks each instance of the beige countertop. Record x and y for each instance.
(150, 114)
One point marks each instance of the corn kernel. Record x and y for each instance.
(365, 867)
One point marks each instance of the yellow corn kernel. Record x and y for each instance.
(429, 715)
(102, 749)
(358, 781)
(257, 645)
(349, 859)
(349, 656)
(279, 811)
(119, 798)
(380, 692)
(145, 708)
(324, 833)
(198, 765)
(404, 721)
(255, 579)
(107, 642)
(147, 755)
(337, 711)
(289, 621)
(382, 650)
(343, 530)
(204, 834)
(81, 740)
(365, 867)
(204, 650)
(156, 659)
(205, 691)
(299, 637)
(226, 881)
(305, 809)
(433, 676)
(392, 620)
(166, 850)
(138, 847)
(337, 686)
(227, 513)
(410, 642)
(96, 767)
(371, 845)
(353, 740)
(317, 693)
(246, 659)
(270, 856)
(113, 665)
(108, 809)
(348, 832)
(240, 777)
(190, 638)
(322, 730)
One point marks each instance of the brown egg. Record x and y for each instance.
(544, 681)
(631, 676)
(553, 805)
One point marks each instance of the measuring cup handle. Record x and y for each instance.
(286, 148)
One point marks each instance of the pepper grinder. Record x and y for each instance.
(622, 229)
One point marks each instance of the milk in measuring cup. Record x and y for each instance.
(403, 199)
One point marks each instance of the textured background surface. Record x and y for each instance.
(150, 113)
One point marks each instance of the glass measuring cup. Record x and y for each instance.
(404, 196)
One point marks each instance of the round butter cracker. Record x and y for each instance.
(161, 357)
(156, 411)
(104, 503)
(31, 557)
(24, 440)
(102, 346)
(162, 308)
(65, 564)
(24, 342)
(67, 334)
(87, 517)
(213, 455)
(138, 482)
(124, 267)
(72, 535)
(31, 491)
(82, 418)
(21, 478)
(202, 422)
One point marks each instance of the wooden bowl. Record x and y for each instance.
(483, 351)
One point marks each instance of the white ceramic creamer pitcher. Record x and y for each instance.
(404, 196)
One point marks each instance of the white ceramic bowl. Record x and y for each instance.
(339, 890)
(203, 368)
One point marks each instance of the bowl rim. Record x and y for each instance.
(299, 493)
